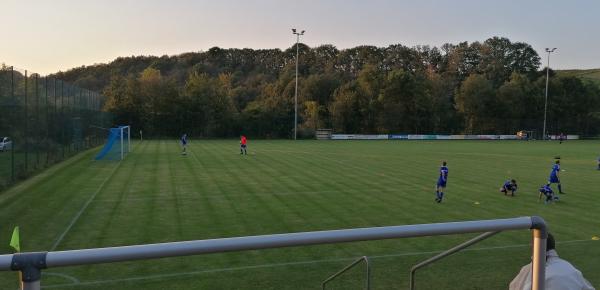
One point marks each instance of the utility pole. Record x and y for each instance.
(549, 51)
(296, 93)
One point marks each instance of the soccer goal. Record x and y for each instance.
(117, 145)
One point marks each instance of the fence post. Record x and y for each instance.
(62, 115)
(69, 118)
(36, 125)
(46, 143)
(12, 149)
(26, 127)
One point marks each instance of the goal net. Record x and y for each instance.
(118, 144)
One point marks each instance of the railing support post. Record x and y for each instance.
(446, 253)
(538, 263)
(367, 273)
(30, 266)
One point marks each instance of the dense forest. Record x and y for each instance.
(490, 87)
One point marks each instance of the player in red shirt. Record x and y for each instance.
(243, 145)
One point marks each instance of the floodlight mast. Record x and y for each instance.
(549, 51)
(296, 91)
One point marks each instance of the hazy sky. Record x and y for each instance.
(49, 35)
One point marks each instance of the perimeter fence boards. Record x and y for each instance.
(358, 137)
(323, 134)
(46, 120)
(567, 137)
(432, 137)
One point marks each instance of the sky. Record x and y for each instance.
(46, 36)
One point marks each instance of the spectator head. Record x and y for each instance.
(550, 243)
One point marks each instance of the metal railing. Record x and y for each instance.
(31, 264)
(342, 271)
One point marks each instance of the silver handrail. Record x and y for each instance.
(446, 253)
(31, 264)
(350, 266)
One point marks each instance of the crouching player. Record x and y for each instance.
(509, 185)
(546, 190)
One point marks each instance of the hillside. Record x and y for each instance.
(470, 88)
(592, 75)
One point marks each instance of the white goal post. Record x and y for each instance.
(125, 140)
(117, 145)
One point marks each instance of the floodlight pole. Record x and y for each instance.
(547, 80)
(296, 93)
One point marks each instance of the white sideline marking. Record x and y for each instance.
(68, 277)
(274, 265)
(85, 206)
(76, 217)
(199, 196)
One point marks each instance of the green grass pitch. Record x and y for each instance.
(158, 195)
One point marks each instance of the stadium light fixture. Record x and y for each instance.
(549, 51)
(296, 93)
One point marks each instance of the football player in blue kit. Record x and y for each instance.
(441, 183)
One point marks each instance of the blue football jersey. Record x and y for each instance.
(444, 172)
(546, 189)
(555, 169)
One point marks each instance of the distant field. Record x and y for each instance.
(586, 74)
(157, 195)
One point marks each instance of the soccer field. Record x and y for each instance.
(158, 195)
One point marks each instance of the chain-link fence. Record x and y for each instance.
(44, 120)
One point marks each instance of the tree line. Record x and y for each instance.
(490, 87)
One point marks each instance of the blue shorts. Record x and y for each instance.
(553, 179)
(441, 183)
(243, 145)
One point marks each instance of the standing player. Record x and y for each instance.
(546, 190)
(184, 144)
(561, 138)
(555, 176)
(598, 162)
(509, 185)
(441, 183)
(243, 145)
